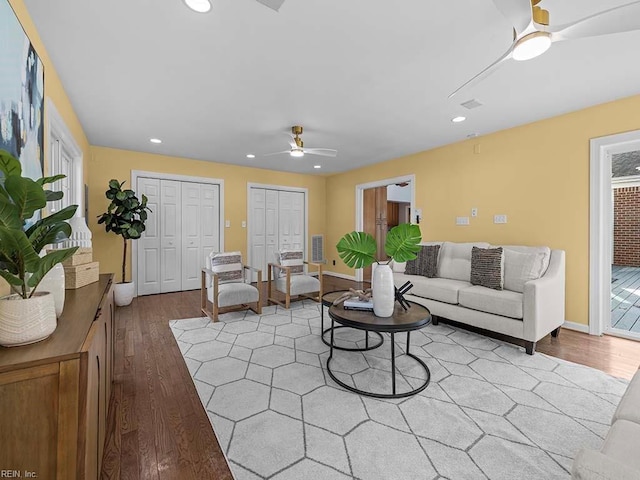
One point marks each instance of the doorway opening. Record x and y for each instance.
(614, 271)
(380, 206)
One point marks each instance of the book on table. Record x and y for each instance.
(354, 303)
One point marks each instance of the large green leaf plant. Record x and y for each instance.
(22, 240)
(125, 216)
(358, 249)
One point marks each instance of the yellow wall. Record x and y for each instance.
(536, 174)
(108, 163)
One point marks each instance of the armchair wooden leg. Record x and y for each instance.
(269, 294)
(287, 301)
(258, 309)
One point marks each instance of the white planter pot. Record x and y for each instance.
(123, 293)
(383, 291)
(24, 321)
(53, 282)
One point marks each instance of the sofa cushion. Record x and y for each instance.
(629, 406)
(621, 443)
(487, 267)
(455, 260)
(522, 264)
(440, 289)
(505, 303)
(426, 263)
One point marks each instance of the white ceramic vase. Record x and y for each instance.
(26, 320)
(80, 234)
(123, 293)
(383, 291)
(53, 282)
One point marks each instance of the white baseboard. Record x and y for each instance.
(340, 275)
(579, 327)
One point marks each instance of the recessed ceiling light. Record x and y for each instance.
(317, 166)
(155, 140)
(200, 6)
(250, 155)
(458, 119)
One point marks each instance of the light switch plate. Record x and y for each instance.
(244, 224)
(227, 223)
(474, 212)
(462, 220)
(499, 219)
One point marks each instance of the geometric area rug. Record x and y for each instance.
(490, 411)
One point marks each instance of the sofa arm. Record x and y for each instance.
(544, 300)
(593, 465)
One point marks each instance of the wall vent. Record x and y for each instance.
(470, 104)
(317, 249)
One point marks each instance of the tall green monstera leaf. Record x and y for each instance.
(20, 198)
(358, 249)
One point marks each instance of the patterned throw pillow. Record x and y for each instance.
(228, 266)
(290, 258)
(426, 264)
(487, 267)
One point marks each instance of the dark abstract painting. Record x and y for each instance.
(21, 95)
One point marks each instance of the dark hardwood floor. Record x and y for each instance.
(157, 427)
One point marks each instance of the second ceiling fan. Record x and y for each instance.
(533, 35)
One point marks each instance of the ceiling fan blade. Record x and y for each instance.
(324, 152)
(620, 19)
(276, 153)
(518, 12)
(486, 72)
(272, 4)
(292, 140)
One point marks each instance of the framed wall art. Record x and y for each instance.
(21, 95)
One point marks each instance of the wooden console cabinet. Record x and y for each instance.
(54, 394)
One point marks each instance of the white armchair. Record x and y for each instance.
(225, 284)
(290, 280)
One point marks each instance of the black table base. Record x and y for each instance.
(366, 338)
(394, 393)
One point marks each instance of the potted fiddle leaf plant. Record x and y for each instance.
(358, 250)
(125, 216)
(28, 315)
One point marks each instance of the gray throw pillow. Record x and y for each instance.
(426, 263)
(487, 267)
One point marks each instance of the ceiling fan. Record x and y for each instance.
(532, 34)
(298, 149)
(272, 4)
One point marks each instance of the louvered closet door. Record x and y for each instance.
(171, 237)
(271, 225)
(148, 261)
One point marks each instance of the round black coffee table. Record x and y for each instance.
(407, 321)
(327, 301)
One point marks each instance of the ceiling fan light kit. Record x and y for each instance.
(297, 146)
(532, 45)
(200, 6)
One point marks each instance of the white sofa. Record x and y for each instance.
(618, 458)
(530, 306)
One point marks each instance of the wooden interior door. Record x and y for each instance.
(375, 221)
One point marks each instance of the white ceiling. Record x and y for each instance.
(369, 78)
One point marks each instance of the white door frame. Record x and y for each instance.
(360, 188)
(251, 185)
(600, 228)
(135, 174)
